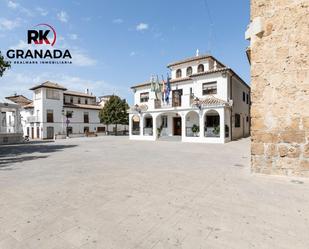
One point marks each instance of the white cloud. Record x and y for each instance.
(20, 82)
(118, 21)
(73, 36)
(42, 12)
(63, 16)
(12, 5)
(142, 26)
(81, 59)
(16, 6)
(132, 53)
(6, 24)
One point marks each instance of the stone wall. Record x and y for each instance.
(280, 87)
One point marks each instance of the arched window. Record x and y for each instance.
(178, 73)
(200, 68)
(189, 71)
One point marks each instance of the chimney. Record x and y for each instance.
(87, 91)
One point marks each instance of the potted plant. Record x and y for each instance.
(195, 130)
(216, 130)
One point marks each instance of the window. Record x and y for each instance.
(70, 130)
(176, 97)
(237, 120)
(200, 68)
(247, 98)
(86, 117)
(148, 122)
(189, 71)
(69, 114)
(50, 116)
(178, 73)
(144, 97)
(86, 129)
(243, 96)
(164, 121)
(52, 94)
(247, 119)
(71, 100)
(209, 88)
(86, 101)
(37, 94)
(78, 101)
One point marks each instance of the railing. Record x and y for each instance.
(211, 132)
(159, 104)
(148, 131)
(33, 119)
(190, 133)
(136, 131)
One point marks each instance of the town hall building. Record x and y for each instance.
(207, 103)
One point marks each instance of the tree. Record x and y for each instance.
(115, 112)
(3, 65)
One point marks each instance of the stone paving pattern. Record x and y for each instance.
(109, 192)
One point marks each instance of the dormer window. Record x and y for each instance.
(200, 68)
(189, 71)
(178, 73)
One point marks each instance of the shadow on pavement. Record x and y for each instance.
(9, 155)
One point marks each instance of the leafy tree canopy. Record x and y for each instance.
(3, 65)
(115, 111)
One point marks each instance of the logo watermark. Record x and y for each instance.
(44, 35)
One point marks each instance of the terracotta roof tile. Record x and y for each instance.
(48, 84)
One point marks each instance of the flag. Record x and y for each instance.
(152, 83)
(168, 89)
(157, 87)
(163, 88)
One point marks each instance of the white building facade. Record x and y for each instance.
(10, 123)
(208, 103)
(55, 111)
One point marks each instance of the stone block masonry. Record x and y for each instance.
(280, 87)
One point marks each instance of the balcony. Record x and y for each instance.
(33, 119)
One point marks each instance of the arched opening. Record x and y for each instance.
(189, 71)
(169, 125)
(148, 125)
(178, 73)
(192, 124)
(135, 125)
(200, 68)
(212, 124)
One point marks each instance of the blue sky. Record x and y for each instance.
(115, 44)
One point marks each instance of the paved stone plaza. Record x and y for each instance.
(109, 192)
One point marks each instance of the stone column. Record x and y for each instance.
(222, 122)
(154, 126)
(202, 123)
(141, 125)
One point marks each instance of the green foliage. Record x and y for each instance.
(115, 111)
(3, 65)
(195, 128)
(216, 130)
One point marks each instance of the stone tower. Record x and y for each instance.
(279, 50)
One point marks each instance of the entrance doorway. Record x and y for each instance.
(37, 132)
(50, 132)
(32, 132)
(177, 126)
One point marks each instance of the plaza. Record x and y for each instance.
(112, 192)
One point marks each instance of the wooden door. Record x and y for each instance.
(177, 126)
(50, 132)
(176, 97)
